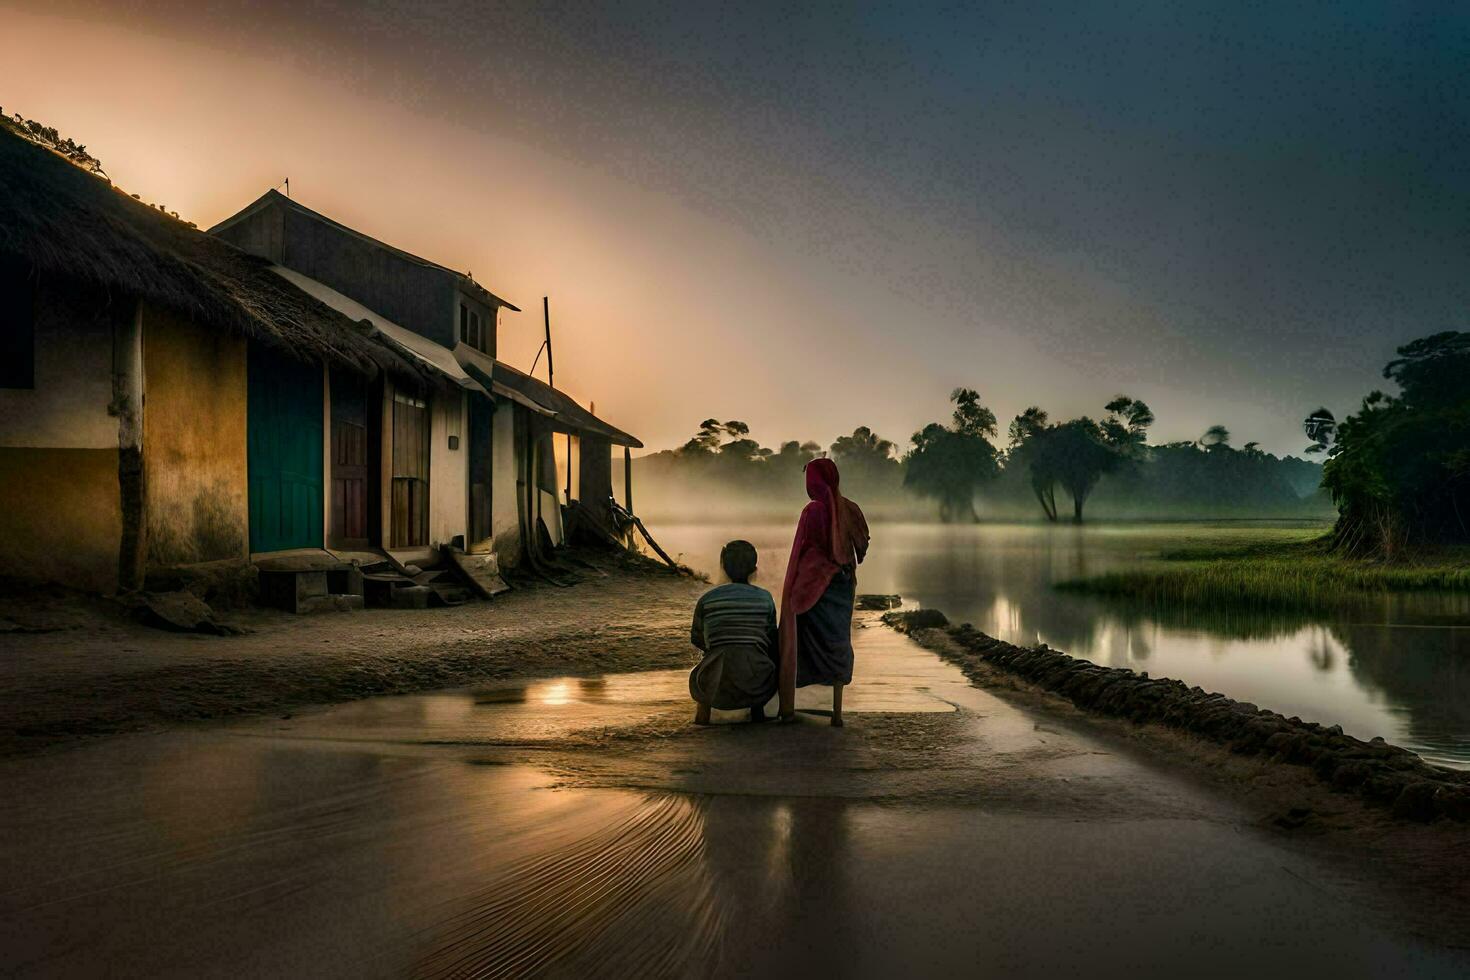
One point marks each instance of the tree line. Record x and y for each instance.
(1046, 467)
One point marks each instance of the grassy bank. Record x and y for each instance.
(1278, 575)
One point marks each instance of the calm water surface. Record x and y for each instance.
(1400, 669)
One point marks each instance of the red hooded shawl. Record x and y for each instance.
(832, 534)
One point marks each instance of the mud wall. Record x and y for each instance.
(60, 515)
(193, 441)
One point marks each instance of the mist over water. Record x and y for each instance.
(1396, 669)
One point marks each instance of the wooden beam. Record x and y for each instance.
(628, 479)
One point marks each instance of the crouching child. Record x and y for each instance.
(735, 626)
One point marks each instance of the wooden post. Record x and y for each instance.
(127, 406)
(628, 479)
(546, 317)
(551, 383)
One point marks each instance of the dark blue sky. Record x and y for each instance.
(1235, 211)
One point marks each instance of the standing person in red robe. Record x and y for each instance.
(821, 585)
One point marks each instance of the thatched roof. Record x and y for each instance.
(67, 222)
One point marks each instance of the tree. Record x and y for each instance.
(868, 464)
(1399, 470)
(704, 442)
(864, 444)
(1215, 437)
(1126, 426)
(1432, 371)
(1077, 455)
(1027, 433)
(1026, 426)
(742, 451)
(970, 417)
(948, 464)
(1321, 427)
(791, 457)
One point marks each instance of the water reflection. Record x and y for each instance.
(1395, 667)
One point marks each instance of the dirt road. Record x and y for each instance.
(581, 826)
(79, 667)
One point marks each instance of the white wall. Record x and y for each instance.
(67, 408)
(504, 513)
(449, 472)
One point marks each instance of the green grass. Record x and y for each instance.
(1273, 574)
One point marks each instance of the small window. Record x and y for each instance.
(474, 340)
(17, 326)
(464, 324)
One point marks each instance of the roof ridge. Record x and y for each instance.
(273, 195)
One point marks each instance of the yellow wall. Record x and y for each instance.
(60, 518)
(194, 458)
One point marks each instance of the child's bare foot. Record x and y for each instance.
(701, 715)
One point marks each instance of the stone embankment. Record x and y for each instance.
(1380, 773)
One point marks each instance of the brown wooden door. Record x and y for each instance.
(351, 458)
(410, 501)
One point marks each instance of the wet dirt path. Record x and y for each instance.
(581, 826)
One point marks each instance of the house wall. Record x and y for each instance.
(448, 468)
(60, 510)
(488, 319)
(68, 405)
(263, 234)
(449, 473)
(594, 467)
(548, 498)
(406, 292)
(194, 405)
(505, 518)
(385, 463)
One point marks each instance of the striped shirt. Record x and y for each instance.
(735, 613)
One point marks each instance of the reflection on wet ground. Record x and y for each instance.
(582, 825)
(1397, 668)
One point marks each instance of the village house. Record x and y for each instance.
(141, 361)
(468, 459)
(169, 399)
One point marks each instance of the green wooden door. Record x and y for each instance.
(284, 436)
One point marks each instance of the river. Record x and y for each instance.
(1400, 670)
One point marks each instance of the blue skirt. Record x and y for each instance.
(824, 635)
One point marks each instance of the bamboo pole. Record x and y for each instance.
(654, 545)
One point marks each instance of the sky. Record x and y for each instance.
(817, 216)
